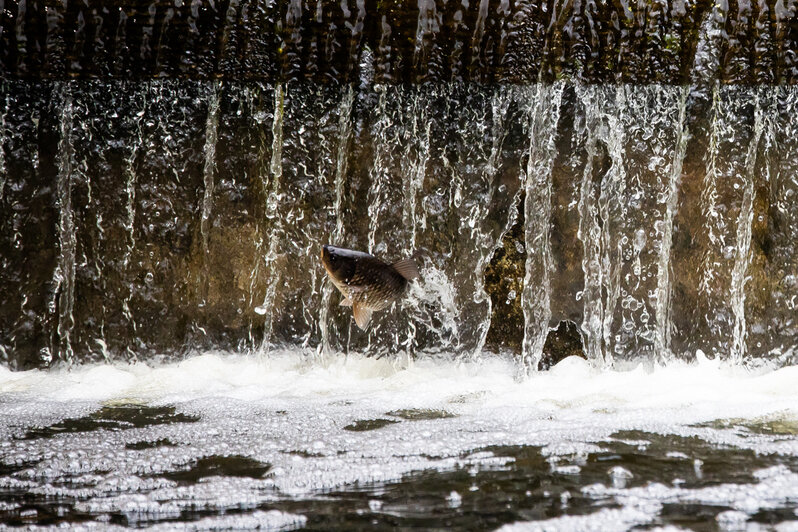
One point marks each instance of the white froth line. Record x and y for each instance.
(699, 390)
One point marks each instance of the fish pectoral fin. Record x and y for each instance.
(407, 268)
(346, 302)
(362, 315)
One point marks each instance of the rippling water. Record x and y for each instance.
(219, 440)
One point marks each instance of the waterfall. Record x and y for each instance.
(670, 198)
(272, 214)
(743, 252)
(147, 33)
(64, 276)
(131, 177)
(544, 113)
(209, 169)
(402, 135)
(653, 247)
(489, 238)
(337, 234)
(634, 139)
(3, 134)
(229, 39)
(345, 135)
(590, 230)
(380, 180)
(728, 188)
(415, 166)
(306, 204)
(775, 287)
(120, 41)
(172, 203)
(402, 146)
(428, 25)
(162, 31)
(260, 120)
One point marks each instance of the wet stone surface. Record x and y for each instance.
(414, 414)
(113, 418)
(369, 424)
(222, 466)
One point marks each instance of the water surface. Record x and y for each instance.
(289, 442)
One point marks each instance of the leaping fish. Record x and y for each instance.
(367, 283)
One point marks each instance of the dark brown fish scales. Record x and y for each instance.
(366, 282)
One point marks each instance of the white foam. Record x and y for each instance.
(271, 521)
(778, 487)
(290, 412)
(699, 391)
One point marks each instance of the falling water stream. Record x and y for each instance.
(536, 299)
(2, 154)
(64, 277)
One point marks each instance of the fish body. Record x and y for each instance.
(367, 283)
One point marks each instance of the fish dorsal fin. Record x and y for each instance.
(362, 315)
(407, 268)
(346, 302)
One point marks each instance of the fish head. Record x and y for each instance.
(340, 263)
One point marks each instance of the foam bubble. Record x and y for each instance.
(317, 426)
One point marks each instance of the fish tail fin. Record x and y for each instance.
(407, 268)
(362, 315)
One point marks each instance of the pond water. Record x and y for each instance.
(291, 441)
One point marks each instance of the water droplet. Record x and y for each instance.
(454, 500)
(375, 505)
